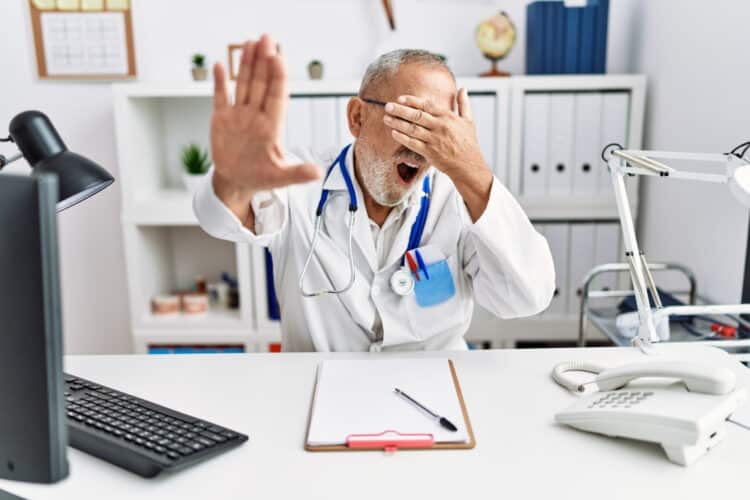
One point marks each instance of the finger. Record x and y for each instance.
(464, 105)
(221, 95)
(409, 128)
(277, 94)
(414, 144)
(295, 174)
(246, 68)
(422, 103)
(414, 115)
(259, 79)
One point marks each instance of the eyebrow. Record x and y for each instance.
(373, 101)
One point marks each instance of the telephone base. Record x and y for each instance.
(686, 455)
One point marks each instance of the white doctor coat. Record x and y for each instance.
(500, 261)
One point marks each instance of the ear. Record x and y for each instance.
(354, 115)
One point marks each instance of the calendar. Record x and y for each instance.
(83, 39)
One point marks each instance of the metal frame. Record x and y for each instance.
(621, 268)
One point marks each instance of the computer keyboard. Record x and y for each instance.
(138, 435)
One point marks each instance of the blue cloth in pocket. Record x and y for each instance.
(438, 288)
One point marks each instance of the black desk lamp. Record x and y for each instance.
(41, 145)
(33, 433)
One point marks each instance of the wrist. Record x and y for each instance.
(236, 198)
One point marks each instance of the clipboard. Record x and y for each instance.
(391, 440)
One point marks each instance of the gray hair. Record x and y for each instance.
(389, 63)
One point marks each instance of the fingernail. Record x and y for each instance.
(389, 107)
(402, 99)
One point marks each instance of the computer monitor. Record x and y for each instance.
(33, 432)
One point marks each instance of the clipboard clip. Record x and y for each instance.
(389, 441)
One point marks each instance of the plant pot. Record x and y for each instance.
(200, 74)
(192, 181)
(315, 69)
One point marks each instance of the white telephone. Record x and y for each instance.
(687, 416)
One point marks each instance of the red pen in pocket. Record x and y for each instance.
(412, 265)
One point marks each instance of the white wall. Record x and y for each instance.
(344, 34)
(695, 56)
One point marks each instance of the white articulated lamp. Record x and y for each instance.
(654, 323)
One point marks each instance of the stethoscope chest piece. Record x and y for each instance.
(401, 282)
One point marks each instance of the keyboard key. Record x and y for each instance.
(214, 437)
(206, 442)
(184, 450)
(195, 446)
(160, 449)
(215, 428)
(173, 455)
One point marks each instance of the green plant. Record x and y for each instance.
(195, 159)
(199, 60)
(315, 62)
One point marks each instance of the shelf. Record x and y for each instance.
(165, 207)
(215, 319)
(572, 208)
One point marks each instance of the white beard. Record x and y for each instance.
(377, 178)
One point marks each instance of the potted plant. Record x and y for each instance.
(315, 69)
(195, 164)
(199, 67)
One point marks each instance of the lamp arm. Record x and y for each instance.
(647, 330)
(9, 159)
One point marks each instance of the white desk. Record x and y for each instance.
(520, 452)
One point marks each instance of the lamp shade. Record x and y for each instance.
(739, 184)
(44, 149)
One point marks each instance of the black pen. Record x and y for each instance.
(442, 420)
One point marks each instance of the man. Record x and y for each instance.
(409, 122)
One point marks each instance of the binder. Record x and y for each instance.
(572, 39)
(600, 37)
(534, 181)
(588, 26)
(587, 151)
(534, 38)
(561, 110)
(581, 261)
(483, 109)
(607, 250)
(354, 406)
(615, 108)
(557, 237)
(299, 124)
(325, 124)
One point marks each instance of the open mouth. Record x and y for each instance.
(407, 171)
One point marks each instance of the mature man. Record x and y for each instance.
(437, 230)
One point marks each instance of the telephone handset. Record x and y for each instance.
(686, 416)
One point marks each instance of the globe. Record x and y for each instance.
(495, 36)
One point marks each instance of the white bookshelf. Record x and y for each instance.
(165, 248)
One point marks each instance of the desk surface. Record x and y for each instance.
(510, 397)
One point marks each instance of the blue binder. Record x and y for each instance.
(572, 39)
(600, 37)
(588, 26)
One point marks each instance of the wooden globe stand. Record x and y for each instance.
(494, 71)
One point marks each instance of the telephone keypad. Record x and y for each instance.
(620, 399)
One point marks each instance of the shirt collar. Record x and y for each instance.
(336, 182)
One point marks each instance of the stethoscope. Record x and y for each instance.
(401, 280)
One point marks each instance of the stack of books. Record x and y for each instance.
(561, 39)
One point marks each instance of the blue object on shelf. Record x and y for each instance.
(562, 39)
(572, 39)
(274, 313)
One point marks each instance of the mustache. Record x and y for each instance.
(408, 154)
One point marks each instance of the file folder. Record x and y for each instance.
(558, 240)
(325, 128)
(483, 109)
(587, 165)
(299, 124)
(535, 145)
(582, 259)
(354, 406)
(561, 109)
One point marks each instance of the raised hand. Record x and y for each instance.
(246, 136)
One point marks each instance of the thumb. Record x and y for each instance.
(297, 174)
(464, 107)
